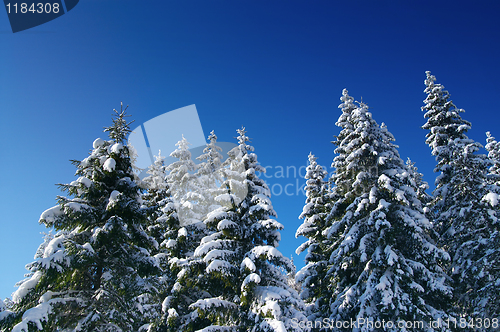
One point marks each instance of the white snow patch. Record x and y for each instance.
(383, 204)
(384, 283)
(223, 224)
(75, 206)
(385, 182)
(38, 314)
(252, 277)
(269, 251)
(217, 254)
(248, 263)
(98, 143)
(491, 198)
(26, 286)
(273, 307)
(116, 148)
(88, 247)
(217, 214)
(218, 266)
(107, 276)
(416, 286)
(217, 328)
(114, 195)
(373, 195)
(172, 313)
(85, 162)
(182, 232)
(55, 245)
(166, 303)
(206, 247)
(85, 181)
(109, 165)
(277, 325)
(102, 159)
(46, 297)
(266, 293)
(51, 214)
(392, 257)
(211, 303)
(170, 243)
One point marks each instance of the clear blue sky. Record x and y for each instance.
(276, 67)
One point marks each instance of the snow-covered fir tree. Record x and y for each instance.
(343, 178)
(156, 181)
(464, 205)
(471, 233)
(174, 246)
(187, 195)
(242, 274)
(315, 290)
(3, 313)
(493, 148)
(292, 282)
(180, 242)
(2, 307)
(184, 184)
(96, 273)
(418, 183)
(209, 175)
(445, 125)
(384, 265)
(163, 225)
(156, 197)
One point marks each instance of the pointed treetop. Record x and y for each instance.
(444, 122)
(438, 97)
(362, 104)
(242, 138)
(347, 101)
(312, 158)
(183, 144)
(430, 78)
(120, 128)
(212, 137)
(211, 151)
(432, 86)
(159, 157)
(242, 141)
(493, 149)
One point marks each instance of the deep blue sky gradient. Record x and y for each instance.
(275, 67)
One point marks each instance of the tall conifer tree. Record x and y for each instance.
(464, 205)
(238, 265)
(209, 175)
(96, 273)
(384, 265)
(312, 276)
(493, 148)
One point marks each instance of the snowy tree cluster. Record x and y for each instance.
(379, 248)
(188, 248)
(193, 247)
